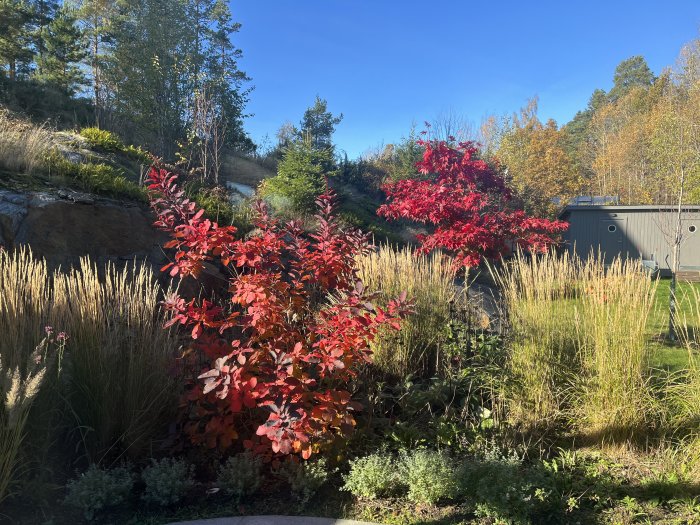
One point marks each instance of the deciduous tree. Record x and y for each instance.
(468, 204)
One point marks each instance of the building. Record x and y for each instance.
(641, 232)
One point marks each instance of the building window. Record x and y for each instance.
(692, 228)
(612, 228)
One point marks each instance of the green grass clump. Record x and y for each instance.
(102, 139)
(99, 178)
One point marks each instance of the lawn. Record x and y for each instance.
(668, 355)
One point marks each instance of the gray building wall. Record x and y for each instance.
(634, 231)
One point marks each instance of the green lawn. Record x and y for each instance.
(668, 355)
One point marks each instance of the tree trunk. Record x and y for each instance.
(675, 265)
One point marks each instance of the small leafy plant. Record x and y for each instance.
(167, 481)
(305, 478)
(372, 476)
(429, 475)
(97, 489)
(240, 475)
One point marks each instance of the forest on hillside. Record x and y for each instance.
(176, 89)
(117, 65)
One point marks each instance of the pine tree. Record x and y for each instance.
(15, 38)
(59, 65)
(42, 14)
(97, 19)
(319, 124)
(225, 79)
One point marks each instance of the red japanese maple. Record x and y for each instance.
(469, 205)
(293, 331)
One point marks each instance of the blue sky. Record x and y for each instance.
(386, 64)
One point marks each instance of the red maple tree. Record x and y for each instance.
(295, 327)
(469, 205)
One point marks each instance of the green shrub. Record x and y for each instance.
(301, 177)
(372, 476)
(138, 154)
(97, 178)
(241, 475)
(430, 476)
(564, 489)
(305, 478)
(167, 481)
(102, 139)
(497, 489)
(97, 489)
(217, 206)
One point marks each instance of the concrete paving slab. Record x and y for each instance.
(272, 520)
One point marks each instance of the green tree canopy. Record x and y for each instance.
(631, 73)
(64, 49)
(319, 124)
(301, 177)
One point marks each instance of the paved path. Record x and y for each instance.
(272, 520)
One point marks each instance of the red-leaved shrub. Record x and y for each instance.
(469, 205)
(294, 329)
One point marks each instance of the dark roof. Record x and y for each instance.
(638, 207)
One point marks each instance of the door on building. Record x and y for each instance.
(611, 239)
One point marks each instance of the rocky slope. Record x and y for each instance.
(63, 225)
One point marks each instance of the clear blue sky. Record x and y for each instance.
(387, 63)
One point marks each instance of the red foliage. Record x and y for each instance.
(297, 325)
(468, 203)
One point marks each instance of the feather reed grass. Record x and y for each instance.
(684, 388)
(26, 305)
(24, 147)
(117, 390)
(428, 281)
(120, 357)
(578, 343)
(18, 391)
(616, 401)
(540, 295)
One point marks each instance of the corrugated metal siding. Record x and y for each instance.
(648, 234)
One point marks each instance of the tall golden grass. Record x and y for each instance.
(683, 397)
(540, 298)
(428, 281)
(578, 343)
(26, 305)
(19, 387)
(23, 146)
(616, 401)
(117, 388)
(120, 356)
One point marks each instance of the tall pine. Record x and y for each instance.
(64, 49)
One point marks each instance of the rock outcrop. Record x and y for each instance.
(63, 226)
